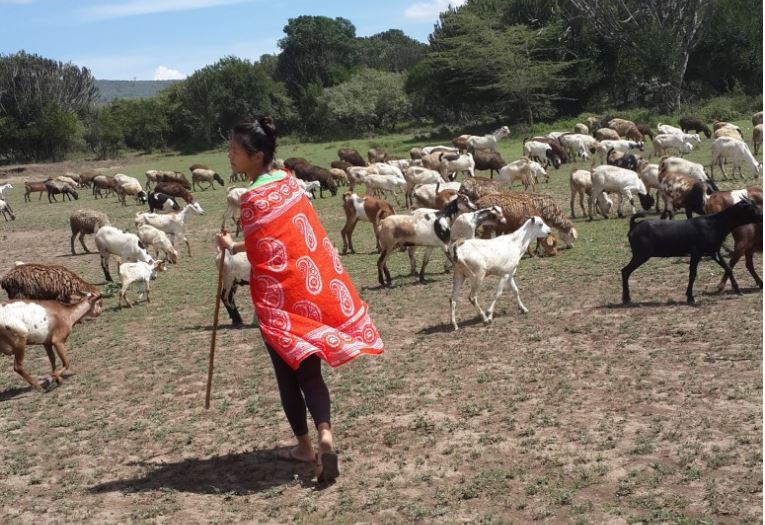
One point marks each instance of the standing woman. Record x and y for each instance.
(307, 307)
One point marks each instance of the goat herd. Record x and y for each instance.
(455, 217)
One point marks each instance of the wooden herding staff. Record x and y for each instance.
(215, 318)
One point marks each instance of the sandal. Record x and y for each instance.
(288, 454)
(328, 470)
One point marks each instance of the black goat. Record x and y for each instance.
(688, 124)
(697, 237)
(162, 203)
(628, 161)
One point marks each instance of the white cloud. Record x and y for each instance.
(430, 10)
(165, 73)
(146, 7)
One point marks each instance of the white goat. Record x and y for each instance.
(614, 179)
(3, 188)
(477, 258)
(464, 225)
(453, 164)
(379, 184)
(737, 152)
(580, 183)
(6, 211)
(666, 129)
(415, 176)
(127, 246)
(686, 167)
(138, 272)
(383, 168)
(621, 145)
(488, 141)
(524, 170)
(439, 149)
(578, 145)
(173, 224)
(536, 150)
(424, 195)
(151, 236)
(682, 143)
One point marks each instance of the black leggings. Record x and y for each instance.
(315, 395)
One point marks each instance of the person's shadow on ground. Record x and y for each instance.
(242, 473)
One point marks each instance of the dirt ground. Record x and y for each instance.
(582, 411)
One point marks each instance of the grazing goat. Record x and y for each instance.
(694, 124)
(42, 322)
(474, 259)
(368, 209)
(6, 211)
(54, 187)
(524, 170)
(151, 236)
(111, 241)
(141, 273)
(199, 175)
(580, 183)
(757, 138)
(737, 152)
(606, 134)
(623, 146)
(86, 222)
(175, 189)
(428, 228)
(173, 224)
(578, 145)
(309, 173)
(102, 182)
(613, 179)
(348, 155)
(680, 142)
(556, 155)
(162, 203)
(697, 237)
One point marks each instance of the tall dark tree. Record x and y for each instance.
(390, 51)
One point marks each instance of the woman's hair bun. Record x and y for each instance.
(268, 125)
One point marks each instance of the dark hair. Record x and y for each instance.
(259, 135)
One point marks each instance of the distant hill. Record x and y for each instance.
(126, 89)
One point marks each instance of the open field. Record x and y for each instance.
(582, 411)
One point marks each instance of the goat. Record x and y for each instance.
(173, 224)
(623, 146)
(628, 161)
(161, 203)
(199, 175)
(54, 187)
(377, 155)
(488, 160)
(680, 142)
(757, 137)
(43, 322)
(86, 222)
(138, 272)
(524, 170)
(451, 164)
(369, 209)
(6, 211)
(174, 189)
(488, 141)
(694, 124)
(580, 183)
(309, 172)
(111, 241)
(681, 191)
(415, 176)
(476, 258)
(697, 237)
(465, 225)
(236, 272)
(621, 181)
(736, 151)
(348, 155)
(424, 195)
(151, 236)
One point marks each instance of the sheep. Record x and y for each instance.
(6, 211)
(476, 258)
(351, 156)
(340, 164)
(432, 161)
(626, 129)
(451, 164)
(592, 122)
(748, 237)
(161, 203)
(75, 177)
(524, 170)
(697, 237)
(133, 189)
(198, 176)
(627, 161)
(428, 228)
(42, 281)
(174, 176)
(377, 155)
(424, 195)
(67, 180)
(580, 182)
(488, 160)
(112, 241)
(623, 146)
(694, 124)
(292, 162)
(416, 153)
(757, 118)
(737, 152)
(174, 189)
(606, 134)
(233, 198)
(519, 206)
(477, 187)
(198, 166)
(32, 187)
(556, 155)
(645, 129)
(757, 137)
(465, 225)
(721, 124)
(138, 272)
(488, 141)
(309, 172)
(102, 182)
(151, 236)
(86, 222)
(666, 129)
(415, 176)
(621, 181)
(340, 177)
(54, 187)
(368, 209)
(173, 224)
(49, 323)
(581, 129)
(236, 272)
(428, 150)
(681, 191)
(86, 179)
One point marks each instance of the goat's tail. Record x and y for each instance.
(633, 223)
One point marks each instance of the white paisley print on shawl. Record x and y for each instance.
(311, 275)
(343, 296)
(274, 252)
(301, 223)
(278, 319)
(269, 291)
(307, 309)
(332, 252)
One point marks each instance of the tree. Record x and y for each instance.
(391, 51)
(660, 32)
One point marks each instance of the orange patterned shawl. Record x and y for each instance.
(303, 297)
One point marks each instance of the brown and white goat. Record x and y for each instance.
(48, 323)
(369, 209)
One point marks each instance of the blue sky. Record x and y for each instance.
(158, 39)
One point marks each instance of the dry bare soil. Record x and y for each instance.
(582, 411)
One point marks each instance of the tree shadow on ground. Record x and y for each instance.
(241, 473)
